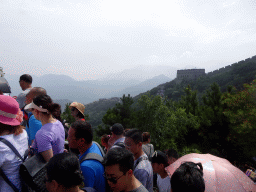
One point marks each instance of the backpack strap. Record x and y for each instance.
(29, 115)
(6, 142)
(101, 150)
(8, 181)
(92, 156)
(120, 144)
(139, 160)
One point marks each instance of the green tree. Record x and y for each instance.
(189, 101)
(66, 115)
(240, 108)
(214, 124)
(122, 113)
(168, 127)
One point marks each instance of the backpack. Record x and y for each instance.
(23, 187)
(97, 157)
(120, 144)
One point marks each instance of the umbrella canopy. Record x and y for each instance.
(219, 174)
(4, 85)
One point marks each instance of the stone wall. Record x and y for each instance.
(228, 67)
(190, 73)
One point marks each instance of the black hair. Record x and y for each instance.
(26, 77)
(146, 136)
(46, 102)
(79, 114)
(188, 177)
(135, 135)
(84, 130)
(172, 153)
(120, 156)
(64, 168)
(105, 138)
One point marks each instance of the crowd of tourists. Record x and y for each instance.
(125, 161)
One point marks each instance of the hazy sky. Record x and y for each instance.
(87, 39)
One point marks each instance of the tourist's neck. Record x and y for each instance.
(84, 148)
(137, 155)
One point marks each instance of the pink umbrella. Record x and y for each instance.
(219, 174)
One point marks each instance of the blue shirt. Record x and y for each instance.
(144, 173)
(34, 126)
(93, 170)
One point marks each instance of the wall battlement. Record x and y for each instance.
(228, 67)
(194, 74)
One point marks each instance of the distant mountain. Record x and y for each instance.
(146, 85)
(64, 87)
(142, 73)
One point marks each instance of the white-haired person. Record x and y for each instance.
(50, 139)
(11, 132)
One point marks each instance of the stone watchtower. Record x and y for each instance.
(192, 74)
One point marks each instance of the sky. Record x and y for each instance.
(88, 39)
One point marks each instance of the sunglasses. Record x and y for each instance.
(112, 179)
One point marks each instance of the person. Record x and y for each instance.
(63, 173)
(80, 136)
(159, 163)
(11, 130)
(188, 177)
(77, 111)
(26, 85)
(147, 147)
(117, 136)
(33, 125)
(142, 167)
(104, 142)
(172, 156)
(119, 171)
(50, 139)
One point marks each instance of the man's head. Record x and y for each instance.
(35, 91)
(133, 141)
(77, 110)
(80, 134)
(25, 81)
(118, 168)
(117, 129)
(188, 177)
(159, 161)
(146, 137)
(172, 155)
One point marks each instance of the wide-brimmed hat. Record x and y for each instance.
(79, 106)
(9, 108)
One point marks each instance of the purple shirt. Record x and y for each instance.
(50, 136)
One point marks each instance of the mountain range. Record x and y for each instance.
(64, 89)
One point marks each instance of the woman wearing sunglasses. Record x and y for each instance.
(49, 140)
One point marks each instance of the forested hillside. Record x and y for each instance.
(238, 74)
(211, 115)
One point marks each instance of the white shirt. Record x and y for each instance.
(9, 162)
(22, 97)
(164, 185)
